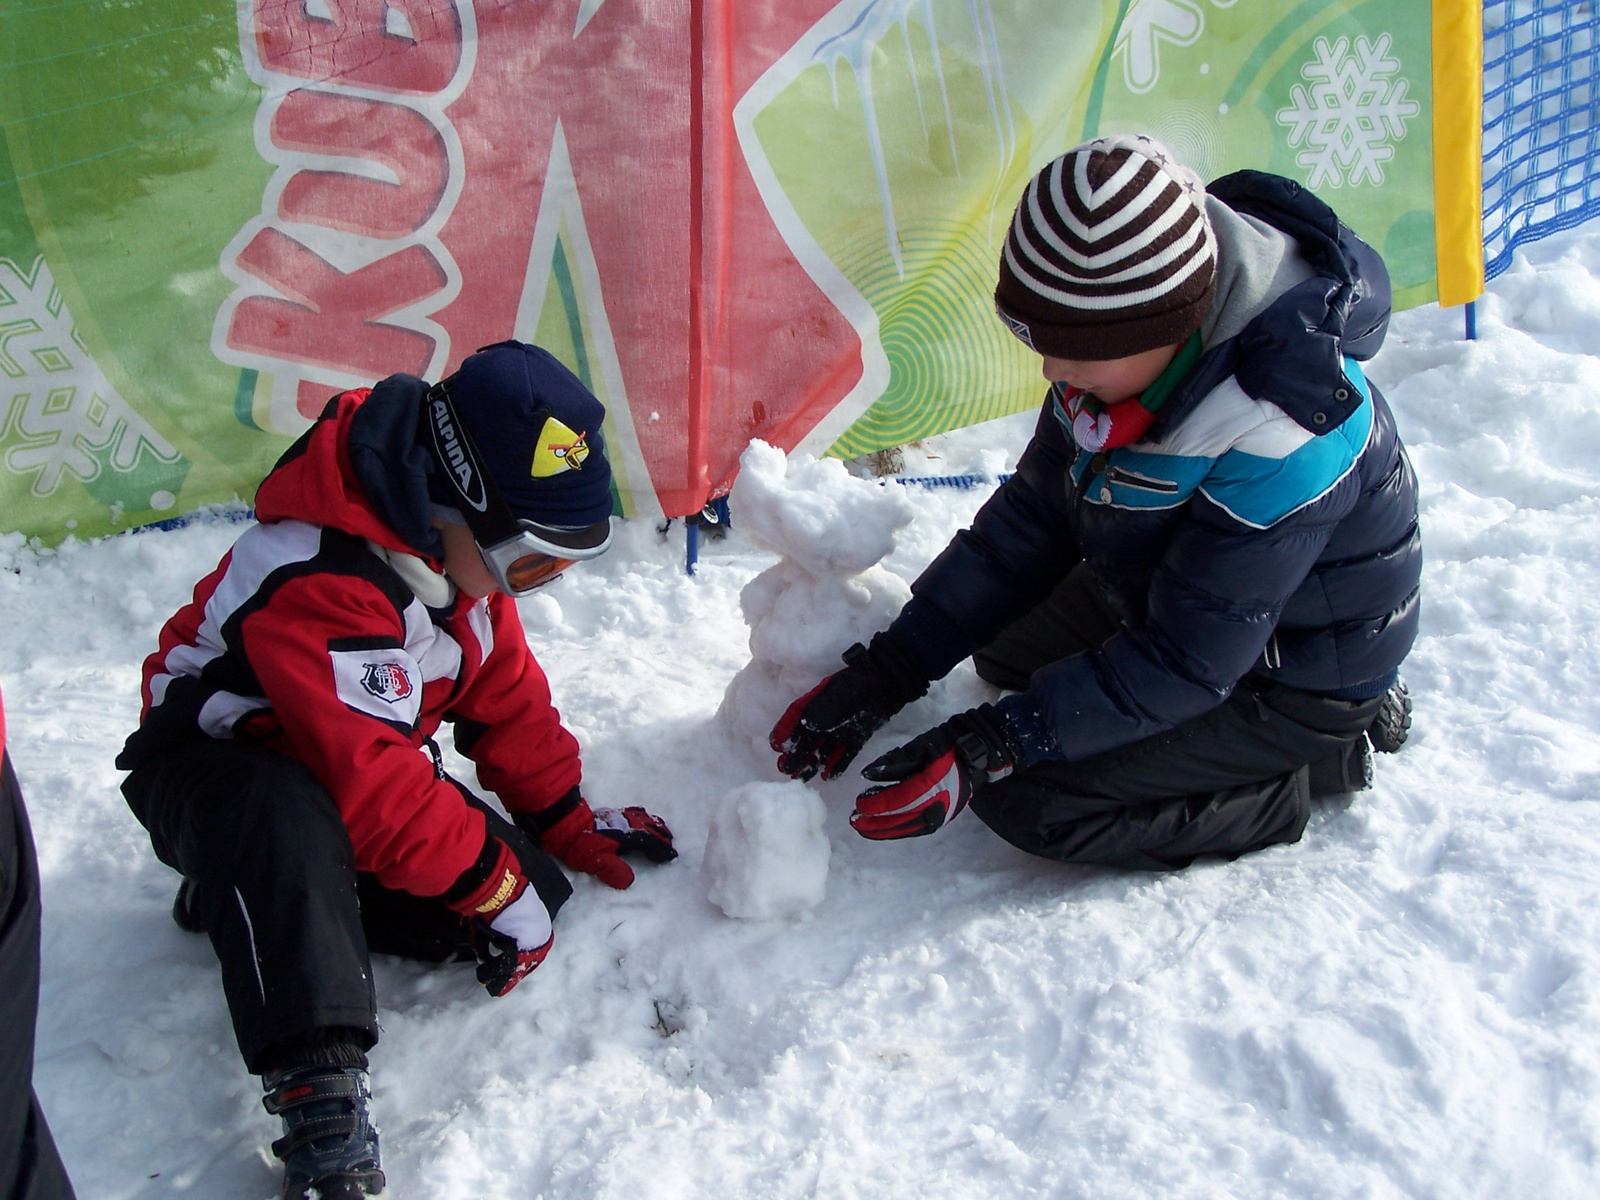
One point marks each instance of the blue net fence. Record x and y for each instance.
(1541, 122)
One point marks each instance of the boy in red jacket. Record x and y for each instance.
(285, 761)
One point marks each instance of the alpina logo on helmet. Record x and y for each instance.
(454, 456)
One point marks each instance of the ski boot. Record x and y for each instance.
(329, 1147)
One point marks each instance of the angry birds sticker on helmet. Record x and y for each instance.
(558, 449)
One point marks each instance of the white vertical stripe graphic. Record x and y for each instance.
(250, 931)
(559, 201)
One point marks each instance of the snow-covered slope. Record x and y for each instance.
(1407, 1003)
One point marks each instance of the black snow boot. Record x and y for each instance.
(329, 1147)
(1392, 725)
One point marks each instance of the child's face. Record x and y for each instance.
(463, 562)
(1111, 380)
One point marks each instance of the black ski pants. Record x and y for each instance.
(30, 1168)
(1235, 779)
(276, 888)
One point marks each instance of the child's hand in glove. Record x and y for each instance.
(824, 730)
(593, 842)
(924, 785)
(512, 943)
(508, 920)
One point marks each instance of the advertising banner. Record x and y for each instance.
(731, 220)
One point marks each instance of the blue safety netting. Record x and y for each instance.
(1541, 128)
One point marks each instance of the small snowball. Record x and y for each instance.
(134, 1048)
(541, 611)
(766, 854)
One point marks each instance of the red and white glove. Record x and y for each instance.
(925, 784)
(525, 923)
(510, 925)
(593, 841)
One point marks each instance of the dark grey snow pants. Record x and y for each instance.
(276, 888)
(1235, 779)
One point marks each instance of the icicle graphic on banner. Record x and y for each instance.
(866, 28)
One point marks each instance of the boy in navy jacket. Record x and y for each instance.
(1202, 579)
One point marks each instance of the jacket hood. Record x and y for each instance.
(1302, 293)
(1255, 265)
(360, 469)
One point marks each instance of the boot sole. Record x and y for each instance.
(356, 1186)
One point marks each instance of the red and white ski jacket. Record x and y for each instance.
(307, 639)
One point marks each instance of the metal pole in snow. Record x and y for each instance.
(1472, 320)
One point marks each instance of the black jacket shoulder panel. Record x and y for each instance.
(390, 463)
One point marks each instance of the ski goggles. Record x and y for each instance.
(536, 555)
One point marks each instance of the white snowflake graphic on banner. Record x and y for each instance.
(1352, 113)
(1147, 25)
(54, 398)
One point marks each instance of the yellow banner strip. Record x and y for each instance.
(1458, 148)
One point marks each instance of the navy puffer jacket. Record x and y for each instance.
(1266, 525)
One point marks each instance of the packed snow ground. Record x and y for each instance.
(1407, 1003)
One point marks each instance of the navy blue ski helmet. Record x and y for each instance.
(537, 429)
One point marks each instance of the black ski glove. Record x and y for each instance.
(926, 783)
(825, 729)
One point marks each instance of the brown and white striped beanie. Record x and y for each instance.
(1110, 253)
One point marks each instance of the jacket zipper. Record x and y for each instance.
(1118, 475)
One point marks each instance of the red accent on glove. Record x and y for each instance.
(636, 830)
(503, 884)
(527, 960)
(575, 842)
(803, 752)
(915, 806)
(780, 739)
